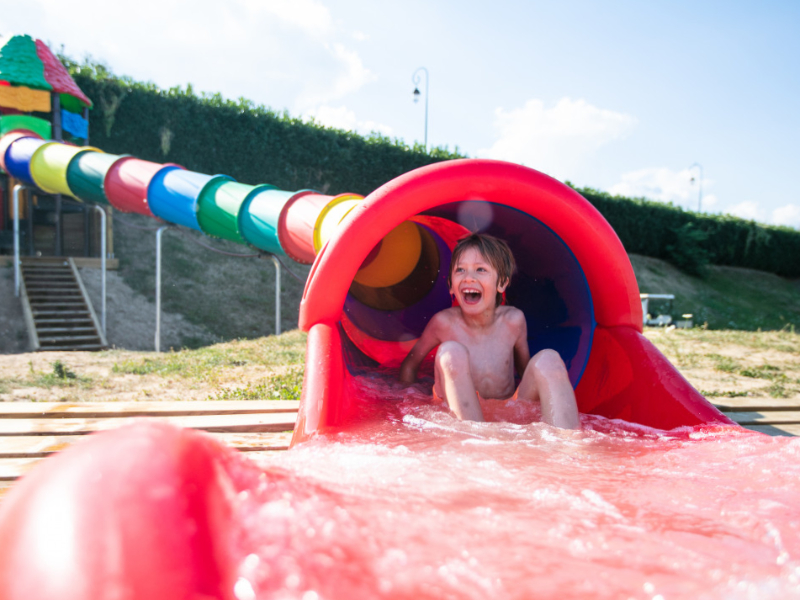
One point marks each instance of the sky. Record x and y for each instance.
(690, 102)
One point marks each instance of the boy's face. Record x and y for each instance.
(474, 282)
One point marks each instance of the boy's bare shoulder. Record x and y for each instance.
(511, 314)
(446, 317)
(513, 318)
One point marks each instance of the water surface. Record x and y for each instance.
(415, 504)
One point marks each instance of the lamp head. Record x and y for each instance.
(416, 94)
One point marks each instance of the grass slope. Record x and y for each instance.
(231, 297)
(728, 298)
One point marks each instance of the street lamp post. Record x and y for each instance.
(700, 192)
(416, 78)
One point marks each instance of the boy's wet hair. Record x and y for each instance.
(494, 250)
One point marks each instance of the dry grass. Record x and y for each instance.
(718, 363)
(734, 363)
(241, 369)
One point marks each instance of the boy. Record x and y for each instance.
(481, 342)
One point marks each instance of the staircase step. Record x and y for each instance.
(42, 331)
(76, 348)
(76, 321)
(50, 269)
(68, 339)
(34, 281)
(73, 348)
(56, 317)
(32, 266)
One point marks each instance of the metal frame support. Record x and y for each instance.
(277, 264)
(17, 266)
(103, 252)
(159, 233)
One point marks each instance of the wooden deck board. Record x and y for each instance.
(33, 446)
(33, 410)
(778, 429)
(246, 423)
(767, 417)
(12, 469)
(262, 444)
(755, 404)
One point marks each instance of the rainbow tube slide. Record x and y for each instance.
(147, 511)
(271, 220)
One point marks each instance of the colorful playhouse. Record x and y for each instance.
(40, 101)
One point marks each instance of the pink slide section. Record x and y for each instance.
(143, 512)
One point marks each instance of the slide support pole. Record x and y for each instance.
(103, 233)
(159, 232)
(17, 268)
(277, 264)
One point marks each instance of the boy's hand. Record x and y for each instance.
(430, 338)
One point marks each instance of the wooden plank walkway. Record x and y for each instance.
(31, 431)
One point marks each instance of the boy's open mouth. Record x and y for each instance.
(471, 295)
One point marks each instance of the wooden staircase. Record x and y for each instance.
(58, 312)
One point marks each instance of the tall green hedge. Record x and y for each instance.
(252, 144)
(255, 145)
(689, 239)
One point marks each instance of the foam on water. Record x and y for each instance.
(415, 504)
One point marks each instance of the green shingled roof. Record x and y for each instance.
(20, 64)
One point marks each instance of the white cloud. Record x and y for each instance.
(787, 215)
(351, 74)
(281, 53)
(746, 210)
(311, 16)
(555, 140)
(665, 185)
(342, 117)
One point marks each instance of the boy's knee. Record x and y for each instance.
(547, 363)
(452, 357)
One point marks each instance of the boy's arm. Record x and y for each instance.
(429, 339)
(522, 353)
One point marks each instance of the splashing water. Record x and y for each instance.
(416, 504)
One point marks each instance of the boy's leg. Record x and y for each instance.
(454, 381)
(546, 380)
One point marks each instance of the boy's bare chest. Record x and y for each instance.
(488, 351)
